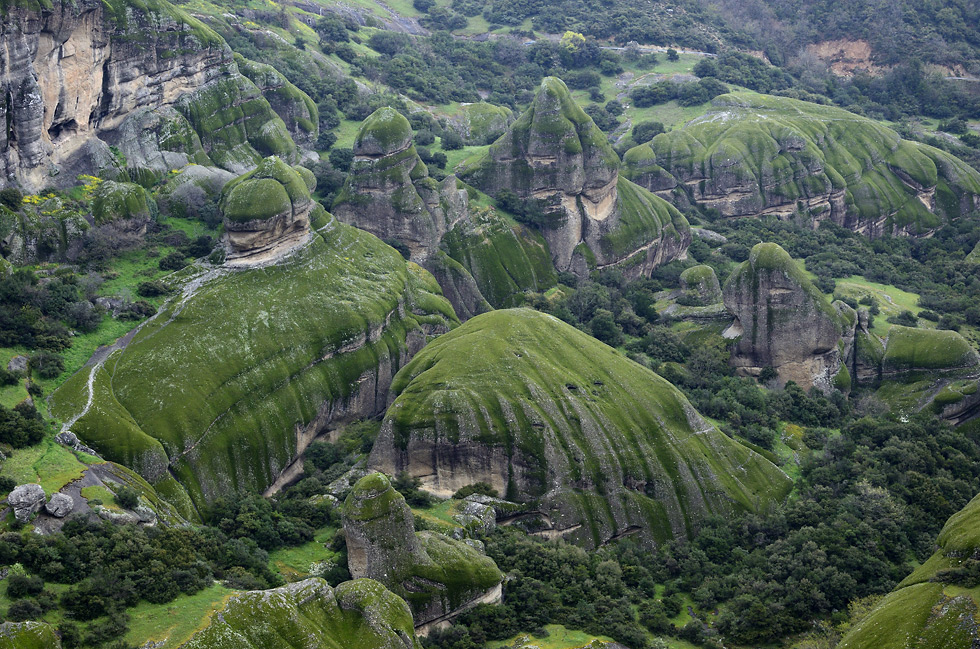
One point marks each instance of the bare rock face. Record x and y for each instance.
(389, 191)
(555, 154)
(438, 576)
(266, 213)
(60, 505)
(782, 321)
(75, 74)
(26, 500)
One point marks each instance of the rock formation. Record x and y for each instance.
(309, 614)
(782, 321)
(266, 213)
(700, 286)
(28, 635)
(60, 505)
(593, 444)
(758, 154)
(225, 388)
(26, 500)
(144, 77)
(437, 575)
(594, 219)
(933, 606)
(479, 257)
(389, 191)
(909, 350)
(480, 123)
(297, 110)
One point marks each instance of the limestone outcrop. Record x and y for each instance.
(480, 123)
(591, 444)
(266, 213)
(26, 500)
(763, 155)
(782, 321)
(309, 614)
(297, 110)
(555, 154)
(145, 77)
(437, 575)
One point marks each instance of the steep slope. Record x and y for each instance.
(759, 154)
(936, 607)
(144, 77)
(359, 614)
(226, 386)
(548, 415)
(556, 154)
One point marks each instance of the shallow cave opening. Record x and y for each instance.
(59, 129)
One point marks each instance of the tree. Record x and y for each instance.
(672, 54)
(341, 158)
(603, 326)
(646, 131)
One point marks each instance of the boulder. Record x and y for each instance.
(60, 505)
(700, 286)
(438, 576)
(26, 500)
(556, 156)
(782, 321)
(17, 364)
(266, 213)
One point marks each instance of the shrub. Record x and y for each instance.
(127, 497)
(425, 137)
(47, 364)
(646, 131)
(341, 158)
(174, 261)
(482, 488)
(11, 197)
(20, 585)
(24, 609)
(451, 141)
(152, 289)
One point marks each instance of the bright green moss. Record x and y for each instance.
(28, 635)
(385, 127)
(261, 198)
(115, 200)
(911, 349)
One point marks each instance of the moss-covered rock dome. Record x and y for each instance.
(550, 416)
(384, 132)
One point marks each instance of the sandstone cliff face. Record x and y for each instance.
(266, 213)
(782, 321)
(73, 75)
(594, 444)
(555, 153)
(437, 575)
(755, 155)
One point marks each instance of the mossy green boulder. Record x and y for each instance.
(759, 154)
(936, 606)
(28, 635)
(912, 350)
(700, 286)
(226, 386)
(121, 201)
(550, 416)
(359, 614)
(296, 109)
(266, 212)
(556, 154)
(782, 321)
(437, 575)
(481, 123)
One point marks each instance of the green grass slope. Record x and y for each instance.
(757, 153)
(548, 414)
(215, 390)
(359, 614)
(936, 607)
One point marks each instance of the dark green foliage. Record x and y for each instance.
(646, 131)
(672, 54)
(744, 70)
(481, 488)
(47, 364)
(341, 159)
(173, 261)
(20, 585)
(687, 94)
(603, 327)
(12, 198)
(410, 487)
(905, 318)
(127, 497)
(451, 141)
(24, 609)
(152, 289)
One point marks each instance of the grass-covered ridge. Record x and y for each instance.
(215, 389)
(563, 418)
(755, 154)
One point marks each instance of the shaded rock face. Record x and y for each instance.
(75, 74)
(755, 155)
(297, 110)
(592, 444)
(309, 614)
(781, 321)
(437, 575)
(389, 191)
(26, 500)
(555, 153)
(266, 213)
